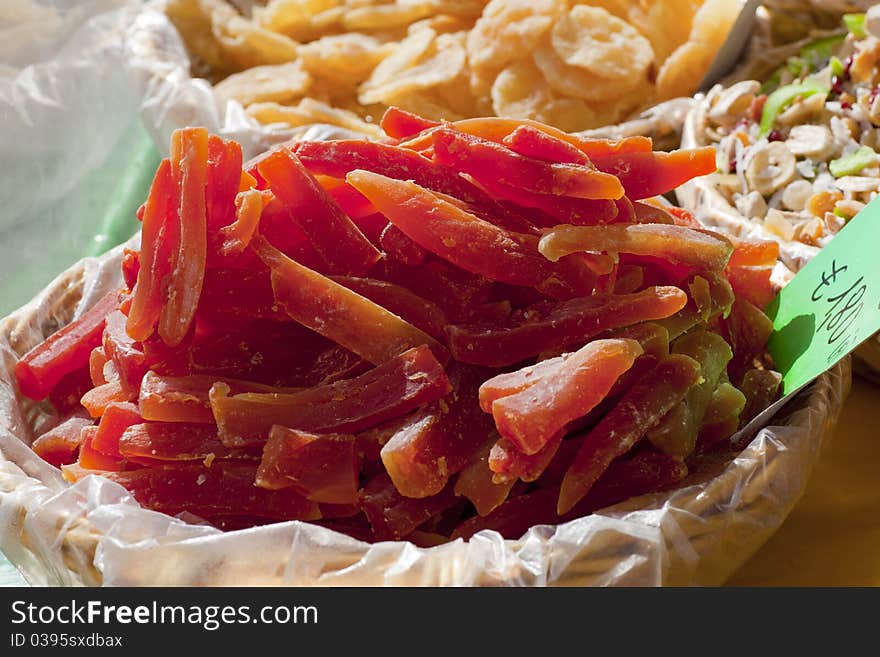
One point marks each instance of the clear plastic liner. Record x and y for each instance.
(93, 532)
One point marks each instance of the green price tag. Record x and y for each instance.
(831, 306)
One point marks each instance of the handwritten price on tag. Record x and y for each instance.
(842, 310)
(831, 306)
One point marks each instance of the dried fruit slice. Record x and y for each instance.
(394, 388)
(63, 352)
(336, 312)
(703, 251)
(332, 233)
(483, 159)
(532, 417)
(467, 241)
(323, 468)
(642, 406)
(225, 488)
(566, 325)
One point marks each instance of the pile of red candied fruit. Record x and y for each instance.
(488, 324)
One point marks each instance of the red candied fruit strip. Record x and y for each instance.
(117, 417)
(532, 142)
(127, 355)
(469, 242)
(648, 174)
(393, 516)
(394, 388)
(189, 169)
(159, 235)
(185, 398)
(640, 408)
(552, 209)
(339, 314)
(484, 159)
(510, 383)
(223, 181)
(507, 462)
(332, 233)
(60, 444)
(65, 351)
(323, 468)
(567, 324)
(225, 488)
(339, 158)
(152, 443)
(401, 124)
(422, 455)
(92, 459)
(98, 399)
(531, 418)
(497, 129)
(418, 311)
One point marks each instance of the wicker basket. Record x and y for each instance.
(94, 533)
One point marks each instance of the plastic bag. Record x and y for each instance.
(74, 147)
(93, 532)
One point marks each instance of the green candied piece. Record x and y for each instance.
(653, 337)
(812, 57)
(817, 52)
(761, 389)
(797, 66)
(855, 25)
(676, 434)
(700, 308)
(850, 165)
(651, 398)
(722, 415)
(783, 97)
(837, 67)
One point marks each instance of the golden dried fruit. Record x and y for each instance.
(280, 84)
(593, 39)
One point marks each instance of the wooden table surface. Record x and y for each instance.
(832, 536)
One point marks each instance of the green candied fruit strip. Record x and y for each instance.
(783, 97)
(796, 66)
(850, 165)
(817, 52)
(855, 24)
(837, 68)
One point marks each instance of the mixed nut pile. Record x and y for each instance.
(797, 154)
